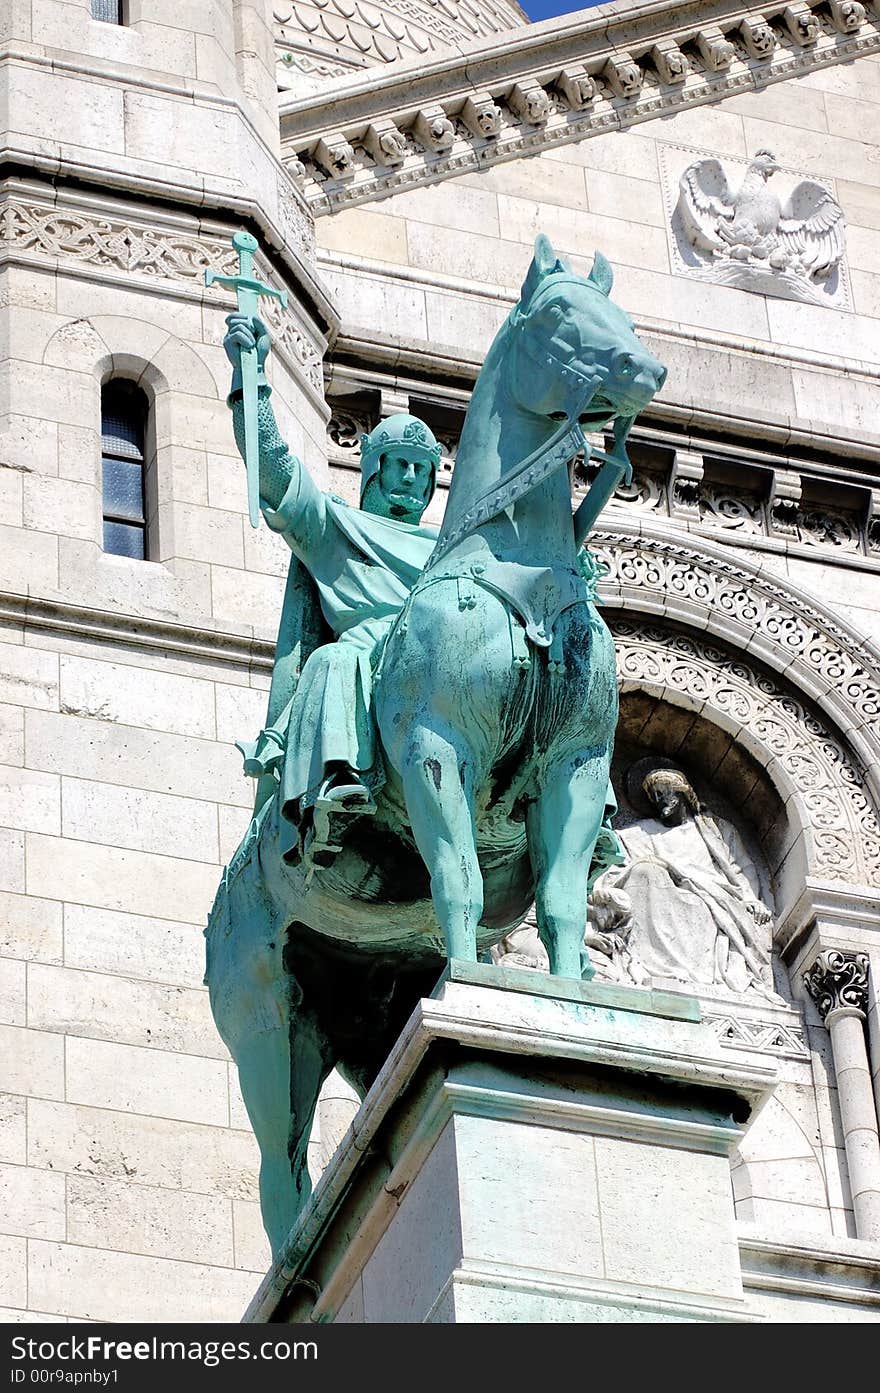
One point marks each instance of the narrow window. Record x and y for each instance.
(124, 410)
(110, 11)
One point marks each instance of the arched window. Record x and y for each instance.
(110, 11)
(124, 420)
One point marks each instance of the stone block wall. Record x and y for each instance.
(440, 266)
(128, 1171)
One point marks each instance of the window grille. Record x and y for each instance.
(110, 11)
(124, 411)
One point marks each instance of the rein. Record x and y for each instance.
(562, 446)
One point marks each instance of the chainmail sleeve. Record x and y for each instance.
(277, 465)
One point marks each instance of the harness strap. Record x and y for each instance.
(562, 446)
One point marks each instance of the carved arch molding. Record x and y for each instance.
(798, 688)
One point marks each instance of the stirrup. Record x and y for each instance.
(347, 799)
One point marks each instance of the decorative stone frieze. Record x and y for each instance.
(604, 74)
(766, 1036)
(328, 38)
(74, 236)
(672, 481)
(838, 980)
(873, 528)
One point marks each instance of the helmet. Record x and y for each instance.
(402, 434)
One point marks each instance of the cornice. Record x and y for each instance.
(550, 84)
(236, 647)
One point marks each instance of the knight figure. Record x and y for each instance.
(321, 744)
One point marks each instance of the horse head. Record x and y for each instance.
(575, 354)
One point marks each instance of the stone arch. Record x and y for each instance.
(796, 687)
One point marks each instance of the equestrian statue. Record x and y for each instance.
(441, 714)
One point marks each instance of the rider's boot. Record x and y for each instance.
(342, 796)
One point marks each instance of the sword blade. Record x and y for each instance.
(251, 432)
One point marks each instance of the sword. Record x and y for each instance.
(615, 467)
(248, 291)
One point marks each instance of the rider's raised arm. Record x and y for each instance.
(291, 501)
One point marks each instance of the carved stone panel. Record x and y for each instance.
(753, 225)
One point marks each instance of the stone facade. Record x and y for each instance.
(398, 208)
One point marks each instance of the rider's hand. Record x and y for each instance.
(244, 332)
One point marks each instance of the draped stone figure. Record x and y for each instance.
(686, 905)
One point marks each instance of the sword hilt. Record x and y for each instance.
(245, 284)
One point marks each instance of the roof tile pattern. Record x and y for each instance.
(325, 38)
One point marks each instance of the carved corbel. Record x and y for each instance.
(785, 502)
(482, 116)
(392, 401)
(838, 980)
(715, 51)
(758, 37)
(296, 169)
(334, 154)
(670, 62)
(801, 23)
(847, 16)
(576, 86)
(684, 484)
(623, 75)
(385, 142)
(434, 130)
(530, 102)
(872, 529)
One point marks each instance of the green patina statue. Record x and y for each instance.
(441, 714)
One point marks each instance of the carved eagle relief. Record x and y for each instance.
(751, 240)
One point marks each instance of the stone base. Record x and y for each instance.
(534, 1150)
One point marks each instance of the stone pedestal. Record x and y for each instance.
(534, 1150)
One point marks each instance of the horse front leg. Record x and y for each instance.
(438, 778)
(562, 825)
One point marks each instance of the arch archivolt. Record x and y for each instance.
(795, 687)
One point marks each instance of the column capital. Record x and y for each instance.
(837, 980)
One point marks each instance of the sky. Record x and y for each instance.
(543, 9)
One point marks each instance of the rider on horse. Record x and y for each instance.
(364, 562)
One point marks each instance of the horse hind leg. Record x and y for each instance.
(438, 778)
(562, 825)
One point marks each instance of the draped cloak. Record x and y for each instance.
(363, 568)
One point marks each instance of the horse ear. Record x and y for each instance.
(601, 274)
(544, 263)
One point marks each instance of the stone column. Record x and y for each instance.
(838, 983)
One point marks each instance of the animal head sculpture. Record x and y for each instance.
(577, 356)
